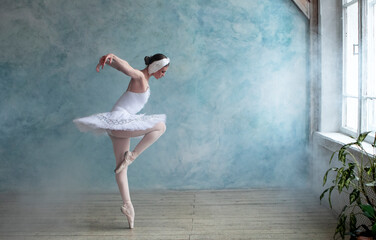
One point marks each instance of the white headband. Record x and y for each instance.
(156, 65)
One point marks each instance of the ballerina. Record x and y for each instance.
(123, 123)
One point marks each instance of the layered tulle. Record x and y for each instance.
(118, 120)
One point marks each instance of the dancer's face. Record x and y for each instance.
(159, 74)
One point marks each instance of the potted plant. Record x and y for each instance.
(356, 177)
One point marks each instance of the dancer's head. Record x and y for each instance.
(157, 65)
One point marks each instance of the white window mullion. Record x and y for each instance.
(362, 36)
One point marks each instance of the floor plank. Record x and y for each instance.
(170, 215)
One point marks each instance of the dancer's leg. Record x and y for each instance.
(150, 136)
(121, 142)
(148, 139)
(121, 145)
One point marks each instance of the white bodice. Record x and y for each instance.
(132, 102)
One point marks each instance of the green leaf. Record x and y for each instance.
(326, 174)
(372, 171)
(325, 178)
(352, 222)
(354, 195)
(342, 155)
(351, 165)
(330, 196)
(374, 229)
(341, 179)
(331, 158)
(339, 174)
(323, 193)
(362, 136)
(368, 211)
(341, 226)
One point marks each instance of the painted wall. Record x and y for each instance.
(235, 94)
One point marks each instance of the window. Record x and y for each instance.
(359, 66)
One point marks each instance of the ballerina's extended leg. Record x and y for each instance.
(150, 136)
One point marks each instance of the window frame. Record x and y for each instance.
(362, 67)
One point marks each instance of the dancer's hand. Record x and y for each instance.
(103, 60)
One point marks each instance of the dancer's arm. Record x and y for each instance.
(119, 64)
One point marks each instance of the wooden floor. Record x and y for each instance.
(236, 214)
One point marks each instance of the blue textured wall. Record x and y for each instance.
(235, 94)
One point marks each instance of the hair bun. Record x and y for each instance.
(147, 60)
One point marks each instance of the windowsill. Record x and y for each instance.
(333, 141)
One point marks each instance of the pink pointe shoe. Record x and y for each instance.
(128, 211)
(125, 163)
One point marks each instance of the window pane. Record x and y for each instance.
(371, 67)
(370, 86)
(351, 51)
(351, 113)
(371, 115)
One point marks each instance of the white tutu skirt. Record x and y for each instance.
(118, 120)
